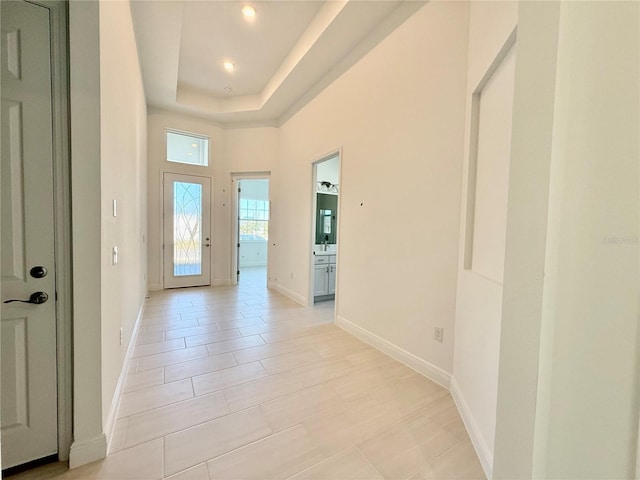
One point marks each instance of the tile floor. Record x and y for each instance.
(242, 383)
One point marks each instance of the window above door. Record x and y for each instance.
(187, 148)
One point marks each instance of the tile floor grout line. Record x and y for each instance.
(329, 411)
(206, 464)
(253, 442)
(158, 407)
(163, 466)
(369, 461)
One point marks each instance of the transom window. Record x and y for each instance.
(187, 148)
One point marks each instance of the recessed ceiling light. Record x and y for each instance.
(248, 11)
(229, 66)
(228, 89)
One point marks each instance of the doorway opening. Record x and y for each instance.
(251, 229)
(324, 234)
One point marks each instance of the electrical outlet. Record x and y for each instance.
(121, 336)
(438, 332)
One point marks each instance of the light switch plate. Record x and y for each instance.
(438, 334)
(115, 255)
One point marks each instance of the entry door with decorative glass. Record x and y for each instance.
(187, 230)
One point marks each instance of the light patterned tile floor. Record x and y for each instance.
(242, 383)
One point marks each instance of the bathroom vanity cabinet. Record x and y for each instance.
(325, 275)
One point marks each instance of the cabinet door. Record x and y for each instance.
(332, 278)
(321, 280)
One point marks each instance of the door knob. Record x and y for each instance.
(36, 298)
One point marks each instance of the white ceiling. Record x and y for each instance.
(284, 56)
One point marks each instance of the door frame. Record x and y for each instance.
(62, 212)
(62, 218)
(314, 203)
(235, 201)
(162, 226)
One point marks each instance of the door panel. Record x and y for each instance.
(321, 280)
(332, 279)
(14, 373)
(187, 230)
(13, 245)
(29, 383)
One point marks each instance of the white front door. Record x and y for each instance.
(187, 230)
(29, 399)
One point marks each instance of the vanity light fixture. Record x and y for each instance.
(329, 187)
(248, 11)
(229, 66)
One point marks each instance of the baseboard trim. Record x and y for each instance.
(87, 451)
(117, 395)
(421, 366)
(288, 293)
(485, 457)
(433, 373)
(219, 282)
(154, 287)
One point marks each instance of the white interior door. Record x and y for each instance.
(187, 230)
(29, 399)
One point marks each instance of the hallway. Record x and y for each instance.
(241, 382)
(252, 279)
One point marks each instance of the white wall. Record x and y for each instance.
(398, 115)
(483, 223)
(589, 384)
(89, 441)
(568, 382)
(123, 146)
(108, 145)
(253, 254)
(230, 151)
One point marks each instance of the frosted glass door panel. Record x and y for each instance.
(187, 232)
(187, 229)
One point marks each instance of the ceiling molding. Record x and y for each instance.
(339, 34)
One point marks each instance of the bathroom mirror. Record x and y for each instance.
(326, 218)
